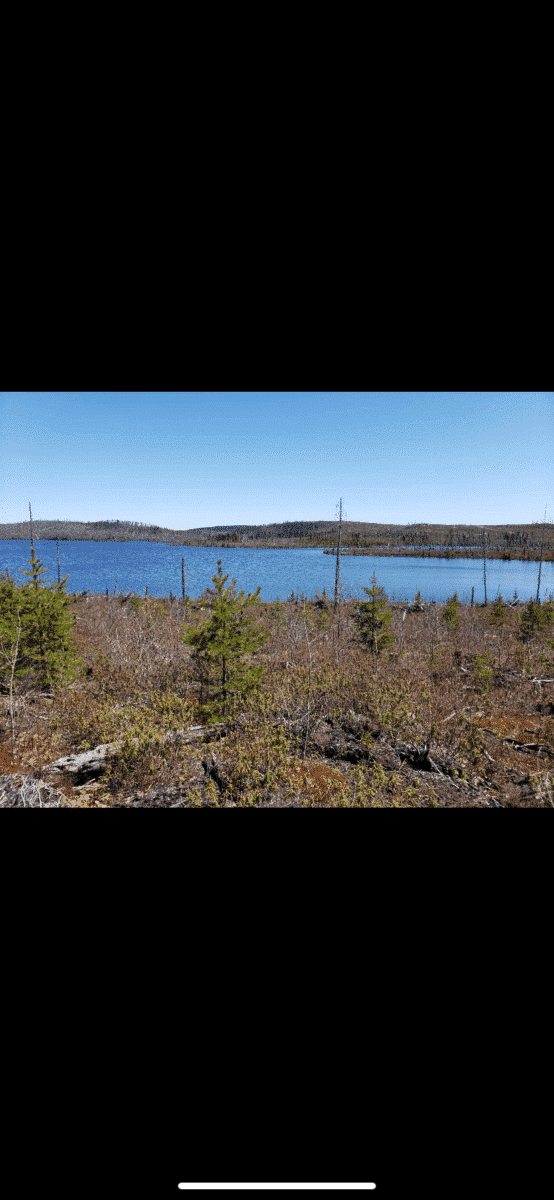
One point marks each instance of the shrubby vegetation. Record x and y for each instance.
(374, 705)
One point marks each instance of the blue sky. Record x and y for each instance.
(186, 459)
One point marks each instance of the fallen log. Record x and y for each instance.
(91, 763)
(527, 745)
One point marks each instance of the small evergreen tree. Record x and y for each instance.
(533, 618)
(10, 604)
(219, 646)
(45, 641)
(373, 618)
(450, 612)
(497, 614)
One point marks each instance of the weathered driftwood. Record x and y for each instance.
(91, 763)
(538, 746)
(24, 791)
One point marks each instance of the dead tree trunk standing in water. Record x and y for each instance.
(338, 559)
(485, 562)
(540, 561)
(340, 516)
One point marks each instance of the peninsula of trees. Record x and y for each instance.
(358, 537)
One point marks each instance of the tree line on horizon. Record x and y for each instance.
(508, 540)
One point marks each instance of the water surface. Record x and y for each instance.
(131, 566)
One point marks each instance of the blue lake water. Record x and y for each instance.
(131, 566)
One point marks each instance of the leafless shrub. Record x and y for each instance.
(473, 695)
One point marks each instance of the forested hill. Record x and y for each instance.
(125, 531)
(507, 541)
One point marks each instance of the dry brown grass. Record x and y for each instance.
(468, 694)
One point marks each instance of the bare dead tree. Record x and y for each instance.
(340, 515)
(11, 658)
(309, 681)
(540, 562)
(485, 561)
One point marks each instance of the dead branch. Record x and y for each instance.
(93, 762)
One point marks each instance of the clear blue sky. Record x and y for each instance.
(186, 459)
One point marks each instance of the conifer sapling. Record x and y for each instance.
(45, 639)
(373, 618)
(219, 647)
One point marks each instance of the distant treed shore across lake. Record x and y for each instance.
(137, 567)
(525, 543)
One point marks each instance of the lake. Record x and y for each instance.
(131, 566)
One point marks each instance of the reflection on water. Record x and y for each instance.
(95, 566)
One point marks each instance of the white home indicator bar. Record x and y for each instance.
(273, 1187)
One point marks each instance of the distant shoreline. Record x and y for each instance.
(400, 552)
(527, 542)
(359, 552)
